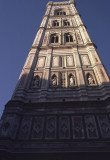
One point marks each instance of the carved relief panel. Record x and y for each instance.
(91, 127)
(64, 127)
(51, 127)
(25, 128)
(104, 126)
(77, 127)
(41, 62)
(85, 60)
(37, 129)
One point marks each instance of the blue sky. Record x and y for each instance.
(19, 22)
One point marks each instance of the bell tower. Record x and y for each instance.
(61, 104)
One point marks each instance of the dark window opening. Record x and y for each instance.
(66, 23)
(55, 23)
(54, 39)
(69, 38)
(61, 13)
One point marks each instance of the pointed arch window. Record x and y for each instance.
(66, 23)
(68, 38)
(61, 13)
(54, 38)
(55, 23)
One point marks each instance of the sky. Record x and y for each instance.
(19, 23)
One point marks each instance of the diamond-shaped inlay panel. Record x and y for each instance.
(64, 127)
(91, 127)
(104, 126)
(37, 129)
(77, 127)
(51, 124)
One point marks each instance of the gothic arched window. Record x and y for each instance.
(36, 81)
(71, 80)
(90, 79)
(55, 23)
(54, 80)
(61, 13)
(68, 38)
(54, 38)
(66, 23)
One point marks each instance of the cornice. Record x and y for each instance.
(68, 46)
(66, 27)
(61, 16)
(60, 3)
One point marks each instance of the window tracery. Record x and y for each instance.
(54, 38)
(66, 23)
(55, 23)
(68, 37)
(61, 13)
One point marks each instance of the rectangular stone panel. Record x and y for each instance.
(104, 126)
(69, 60)
(51, 127)
(41, 62)
(37, 128)
(9, 126)
(25, 128)
(64, 127)
(77, 127)
(91, 128)
(85, 60)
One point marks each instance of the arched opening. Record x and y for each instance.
(90, 79)
(54, 38)
(68, 37)
(55, 23)
(36, 81)
(71, 80)
(54, 80)
(60, 12)
(66, 23)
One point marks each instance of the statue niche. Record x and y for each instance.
(54, 80)
(90, 79)
(36, 82)
(71, 80)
